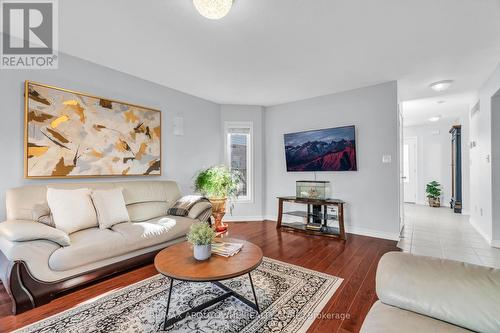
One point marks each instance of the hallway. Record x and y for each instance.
(438, 232)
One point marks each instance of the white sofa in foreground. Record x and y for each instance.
(423, 294)
(38, 262)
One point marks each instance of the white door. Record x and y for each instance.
(410, 169)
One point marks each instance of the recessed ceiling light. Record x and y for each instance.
(434, 119)
(213, 9)
(441, 85)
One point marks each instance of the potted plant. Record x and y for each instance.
(218, 183)
(201, 236)
(433, 192)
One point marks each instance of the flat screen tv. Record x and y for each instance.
(331, 149)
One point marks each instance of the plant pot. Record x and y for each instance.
(202, 252)
(434, 202)
(218, 212)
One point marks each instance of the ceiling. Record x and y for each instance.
(270, 52)
(419, 111)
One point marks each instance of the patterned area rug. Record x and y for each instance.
(290, 297)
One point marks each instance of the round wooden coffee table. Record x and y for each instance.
(177, 263)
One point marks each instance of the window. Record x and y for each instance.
(238, 143)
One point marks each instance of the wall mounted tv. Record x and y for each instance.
(331, 149)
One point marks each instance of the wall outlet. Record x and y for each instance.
(386, 159)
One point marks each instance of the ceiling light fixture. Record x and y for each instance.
(213, 9)
(441, 85)
(441, 102)
(434, 119)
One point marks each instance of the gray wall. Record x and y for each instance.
(371, 192)
(254, 114)
(199, 147)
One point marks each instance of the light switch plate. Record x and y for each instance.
(386, 159)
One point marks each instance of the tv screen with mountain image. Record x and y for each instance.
(332, 149)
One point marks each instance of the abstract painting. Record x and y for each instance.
(331, 149)
(74, 135)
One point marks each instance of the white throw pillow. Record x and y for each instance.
(72, 210)
(110, 207)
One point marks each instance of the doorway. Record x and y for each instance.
(410, 169)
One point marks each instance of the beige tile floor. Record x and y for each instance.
(438, 232)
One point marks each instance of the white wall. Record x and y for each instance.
(434, 158)
(485, 132)
(372, 192)
(182, 155)
(249, 211)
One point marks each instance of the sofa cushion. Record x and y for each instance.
(144, 211)
(88, 246)
(72, 210)
(110, 207)
(384, 318)
(148, 233)
(463, 294)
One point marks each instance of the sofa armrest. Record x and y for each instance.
(23, 231)
(463, 294)
(201, 210)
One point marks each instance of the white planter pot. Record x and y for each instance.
(202, 252)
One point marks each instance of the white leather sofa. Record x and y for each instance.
(423, 294)
(37, 262)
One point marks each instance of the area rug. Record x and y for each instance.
(290, 298)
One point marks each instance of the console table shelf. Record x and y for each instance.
(299, 213)
(316, 213)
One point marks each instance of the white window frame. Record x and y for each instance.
(249, 198)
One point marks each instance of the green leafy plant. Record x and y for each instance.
(433, 190)
(200, 234)
(217, 182)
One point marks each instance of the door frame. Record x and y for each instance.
(415, 153)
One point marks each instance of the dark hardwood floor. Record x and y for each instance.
(354, 260)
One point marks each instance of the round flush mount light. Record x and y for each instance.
(441, 85)
(213, 9)
(435, 119)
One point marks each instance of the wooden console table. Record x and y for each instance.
(317, 212)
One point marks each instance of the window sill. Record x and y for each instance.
(242, 201)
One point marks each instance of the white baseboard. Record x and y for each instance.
(372, 233)
(479, 231)
(495, 243)
(349, 229)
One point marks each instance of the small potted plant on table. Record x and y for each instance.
(218, 183)
(201, 236)
(433, 192)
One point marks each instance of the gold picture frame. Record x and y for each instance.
(70, 134)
